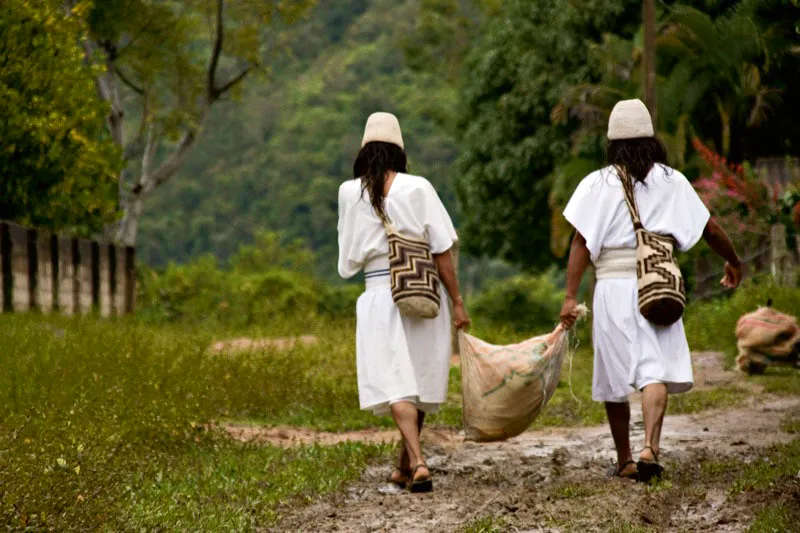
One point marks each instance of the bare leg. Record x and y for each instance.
(654, 405)
(407, 419)
(404, 462)
(619, 418)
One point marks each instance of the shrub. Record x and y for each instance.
(264, 283)
(522, 304)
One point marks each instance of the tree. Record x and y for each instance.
(716, 74)
(58, 166)
(169, 63)
(276, 159)
(719, 64)
(514, 76)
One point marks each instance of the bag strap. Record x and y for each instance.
(630, 199)
(388, 226)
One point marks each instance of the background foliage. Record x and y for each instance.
(57, 162)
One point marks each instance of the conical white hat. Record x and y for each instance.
(630, 119)
(383, 127)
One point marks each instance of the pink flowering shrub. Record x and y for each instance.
(743, 203)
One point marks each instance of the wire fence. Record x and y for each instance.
(766, 254)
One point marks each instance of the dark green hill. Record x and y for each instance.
(275, 158)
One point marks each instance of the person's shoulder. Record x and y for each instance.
(597, 179)
(411, 186)
(669, 176)
(411, 181)
(350, 189)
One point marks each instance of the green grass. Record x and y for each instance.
(225, 486)
(102, 423)
(776, 518)
(711, 325)
(769, 477)
(782, 462)
(791, 424)
(575, 490)
(486, 524)
(700, 400)
(628, 527)
(102, 427)
(779, 380)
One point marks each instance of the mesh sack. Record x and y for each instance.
(504, 388)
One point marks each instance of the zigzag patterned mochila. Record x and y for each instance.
(662, 292)
(415, 278)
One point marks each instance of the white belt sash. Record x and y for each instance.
(616, 263)
(376, 272)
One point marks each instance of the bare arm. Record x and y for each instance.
(719, 241)
(447, 273)
(721, 244)
(579, 259)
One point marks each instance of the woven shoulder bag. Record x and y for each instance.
(662, 293)
(415, 277)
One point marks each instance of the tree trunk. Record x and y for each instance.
(129, 225)
(649, 17)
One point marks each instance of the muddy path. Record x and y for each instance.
(556, 479)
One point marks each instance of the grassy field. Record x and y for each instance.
(104, 424)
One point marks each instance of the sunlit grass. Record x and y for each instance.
(103, 427)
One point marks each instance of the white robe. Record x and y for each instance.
(397, 358)
(629, 351)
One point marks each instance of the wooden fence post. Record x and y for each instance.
(106, 289)
(130, 279)
(84, 276)
(20, 273)
(45, 272)
(119, 278)
(7, 289)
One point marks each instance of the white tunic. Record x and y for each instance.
(629, 351)
(397, 358)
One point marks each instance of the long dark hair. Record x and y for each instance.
(636, 157)
(371, 166)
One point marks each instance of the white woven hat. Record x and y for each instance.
(383, 127)
(630, 119)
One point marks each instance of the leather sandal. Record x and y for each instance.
(616, 471)
(649, 469)
(422, 483)
(399, 477)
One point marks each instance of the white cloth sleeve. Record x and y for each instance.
(690, 217)
(438, 225)
(587, 214)
(347, 266)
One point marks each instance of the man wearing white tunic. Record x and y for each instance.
(631, 353)
(402, 362)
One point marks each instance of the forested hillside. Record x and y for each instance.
(275, 158)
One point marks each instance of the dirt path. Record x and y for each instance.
(555, 479)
